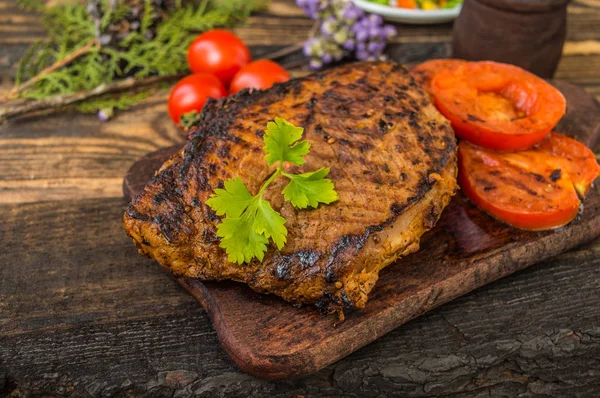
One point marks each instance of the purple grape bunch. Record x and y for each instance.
(344, 30)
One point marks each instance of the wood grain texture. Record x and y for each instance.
(269, 338)
(87, 316)
(34, 152)
(81, 314)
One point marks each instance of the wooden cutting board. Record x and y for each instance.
(269, 338)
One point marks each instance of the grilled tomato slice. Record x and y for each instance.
(530, 189)
(497, 106)
(425, 72)
(578, 160)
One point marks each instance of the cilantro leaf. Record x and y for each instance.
(240, 241)
(280, 143)
(270, 223)
(310, 189)
(232, 200)
(250, 221)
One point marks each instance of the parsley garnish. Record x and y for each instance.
(250, 221)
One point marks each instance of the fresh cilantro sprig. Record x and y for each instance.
(250, 221)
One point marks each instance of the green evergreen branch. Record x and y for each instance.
(71, 26)
(121, 101)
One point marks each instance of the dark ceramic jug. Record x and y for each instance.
(527, 33)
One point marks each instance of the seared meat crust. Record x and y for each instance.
(392, 160)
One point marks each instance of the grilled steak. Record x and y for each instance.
(392, 160)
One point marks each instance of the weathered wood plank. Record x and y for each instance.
(81, 275)
(26, 191)
(47, 157)
(50, 154)
(580, 69)
(87, 315)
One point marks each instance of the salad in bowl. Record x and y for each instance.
(413, 11)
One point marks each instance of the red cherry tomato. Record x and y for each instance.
(260, 74)
(192, 92)
(218, 52)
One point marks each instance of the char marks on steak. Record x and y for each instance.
(392, 160)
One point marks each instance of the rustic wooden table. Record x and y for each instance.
(82, 314)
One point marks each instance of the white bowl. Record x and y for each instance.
(410, 16)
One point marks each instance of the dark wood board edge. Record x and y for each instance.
(253, 363)
(581, 103)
